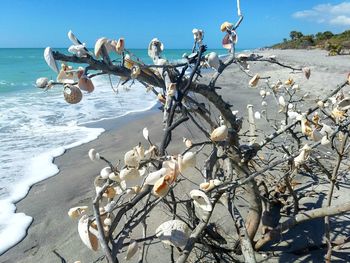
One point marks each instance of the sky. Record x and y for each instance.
(41, 23)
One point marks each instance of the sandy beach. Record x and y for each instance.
(53, 236)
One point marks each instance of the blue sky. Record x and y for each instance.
(41, 23)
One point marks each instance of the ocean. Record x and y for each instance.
(37, 126)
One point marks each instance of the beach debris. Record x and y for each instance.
(132, 249)
(187, 142)
(219, 134)
(89, 239)
(188, 160)
(201, 200)
(93, 155)
(73, 38)
(104, 173)
(77, 211)
(207, 186)
(307, 72)
(85, 83)
(198, 35)
(98, 46)
(155, 48)
(42, 83)
(119, 47)
(51, 62)
(254, 80)
(72, 94)
(226, 26)
(174, 233)
(303, 156)
(213, 60)
(145, 133)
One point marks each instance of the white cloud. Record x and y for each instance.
(337, 15)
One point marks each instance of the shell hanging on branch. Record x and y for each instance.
(85, 83)
(131, 176)
(198, 34)
(42, 83)
(98, 46)
(77, 211)
(213, 60)
(104, 173)
(188, 160)
(89, 239)
(153, 177)
(207, 186)
(201, 200)
(219, 134)
(132, 249)
(51, 62)
(254, 81)
(155, 48)
(226, 26)
(303, 156)
(119, 47)
(161, 187)
(131, 158)
(174, 233)
(94, 155)
(72, 94)
(73, 38)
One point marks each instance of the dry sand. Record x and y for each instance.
(53, 233)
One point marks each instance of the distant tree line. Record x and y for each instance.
(336, 44)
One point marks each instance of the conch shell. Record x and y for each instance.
(219, 134)
(201, 200)
(77, 211)
(174, 233)
(89, 239)
(51, 62)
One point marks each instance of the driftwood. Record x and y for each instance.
(232, 164)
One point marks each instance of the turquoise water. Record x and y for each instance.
(36, 126)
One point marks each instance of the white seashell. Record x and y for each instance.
(114, 177)
(42, 83)
(161, 187)
(263, 93)
(153, 177)
(226, 26)
(98, 46)
(78, 50)
(73, 38)
(326, 130)
(119, 189)
(145, 133)
(155, 48)
(303, 156)
(201, 200)
(104, 173)
(187, 142)
(132, 249)
(188, 160)
(219, 134)
(131, 158)
(213, 60)
(131, 177)
(107, 221)
(89, 239)
(174, 233)
(281, 101)
(98, 183)
(257, 115)
(119, 47)
(293, 115)
(254, 80)
(94, 155)
(48, 56)
(198, 34)
(77, 211)
(320, 104)
(207, 186)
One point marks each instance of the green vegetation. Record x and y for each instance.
(336, 44)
